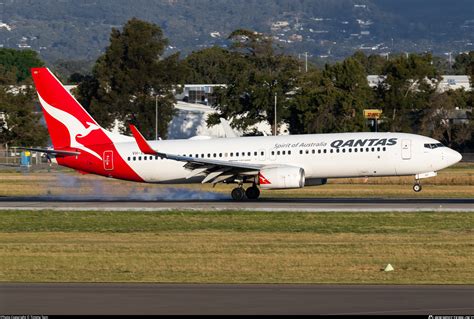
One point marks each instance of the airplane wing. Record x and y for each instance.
(215, 170)
(51, 151)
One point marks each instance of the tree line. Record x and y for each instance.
(134, 74)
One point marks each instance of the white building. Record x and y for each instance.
(448, 82)
(191, 122)
(454, 82)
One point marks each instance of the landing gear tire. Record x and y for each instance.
(417, 187)
(252, 192)
(238, 193)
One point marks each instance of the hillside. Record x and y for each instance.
(332, 29)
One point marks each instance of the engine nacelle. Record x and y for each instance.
(281, 177)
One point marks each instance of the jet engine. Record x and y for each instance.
(281, 177)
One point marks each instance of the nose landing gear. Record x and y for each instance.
(417, 187)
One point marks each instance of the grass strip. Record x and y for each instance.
(236, 247)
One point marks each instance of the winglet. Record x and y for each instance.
(141, 141)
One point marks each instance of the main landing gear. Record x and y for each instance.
(417, 187)
(239, 193)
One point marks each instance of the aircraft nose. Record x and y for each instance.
(452, 157)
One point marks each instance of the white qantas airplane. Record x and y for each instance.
(267, 162)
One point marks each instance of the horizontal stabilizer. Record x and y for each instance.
(51, 151)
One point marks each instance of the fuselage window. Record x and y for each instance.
(156, 157)
(384, 149)
(331, 151)
(313, 151)
(262, 153)
(278, 152)
(128, 158)
(343, 150)
(324, 151)
(236, 154)
(249, 153)
(307, 152)
(355, 150)
(214, 155)
(319, 151)
(208, 155)
(378, 149)
(202, 155)
(231, 154)
(220, 154)
(289, 152)
(361, 150)
(367, 149)
(273, 152)
(337, 150)
(139, 158)
(190, 155)
(283, 152)
(197, 155)
(255, 153)
(350, 150)
(134, 158)
(373, 149)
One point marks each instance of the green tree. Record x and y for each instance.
(19, 61)
(464, 64)
(258, 74)
(212, 65)
(406, 91)
(331, 100)
(21, 126)
(130, 75)
(373, 64)
(439, 121)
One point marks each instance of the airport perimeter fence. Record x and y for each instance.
(17, 158)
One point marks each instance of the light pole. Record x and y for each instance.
(275, 114)
(306, 61)
(156, 117)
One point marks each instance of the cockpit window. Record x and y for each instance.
(434, 145)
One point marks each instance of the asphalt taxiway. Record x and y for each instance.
(264, 204)
(213, 299)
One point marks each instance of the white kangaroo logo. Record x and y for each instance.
(73, 125)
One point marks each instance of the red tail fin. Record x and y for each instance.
(69, 124)
(72, 129)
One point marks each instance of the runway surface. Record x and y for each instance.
(213, 299)
(264, 204)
